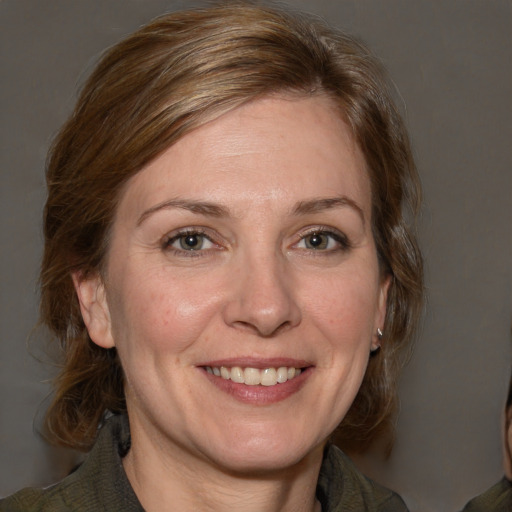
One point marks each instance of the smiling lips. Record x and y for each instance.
(254, 376)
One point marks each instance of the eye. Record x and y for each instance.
(321, 240)
(189, 241)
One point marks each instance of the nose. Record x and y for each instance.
(263, 299)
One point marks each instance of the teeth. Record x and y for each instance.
(282, 374)
(252, 376)
(269, 377)
(255, 376)
(237, 375)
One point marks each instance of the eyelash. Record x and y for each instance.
(343, 243)
(168, 242)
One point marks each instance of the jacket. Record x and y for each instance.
(496, 499)
(101, 485)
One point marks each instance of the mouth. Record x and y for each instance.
(258, 381)
(251, 376)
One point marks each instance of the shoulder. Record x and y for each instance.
(496, 499)
(79, 491)
(55, 499)
(342, 487)
(99, 484)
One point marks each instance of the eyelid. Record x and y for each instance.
(176, 234)
(340, 237)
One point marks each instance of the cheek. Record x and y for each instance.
(345, 306)
(159, 313)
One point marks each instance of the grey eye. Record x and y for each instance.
(190, 242)
(317, 241)
(320, 240)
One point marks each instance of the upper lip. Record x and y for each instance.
(260, 363)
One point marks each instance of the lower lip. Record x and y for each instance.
(260, 395)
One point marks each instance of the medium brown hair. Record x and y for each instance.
(171, 76)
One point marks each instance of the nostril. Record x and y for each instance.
(260, 330)
(246, 326)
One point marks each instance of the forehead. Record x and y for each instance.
(271, 149)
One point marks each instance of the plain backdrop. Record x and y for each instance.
(452, 62)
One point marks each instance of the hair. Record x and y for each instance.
(173, 75)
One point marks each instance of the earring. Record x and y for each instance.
(380, 335)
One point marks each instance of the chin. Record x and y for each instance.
(264, 455)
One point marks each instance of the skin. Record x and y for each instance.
(281, 173)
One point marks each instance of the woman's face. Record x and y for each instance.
(243, 253)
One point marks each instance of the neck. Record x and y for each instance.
(176, 481)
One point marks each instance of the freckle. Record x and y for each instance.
(166, 317)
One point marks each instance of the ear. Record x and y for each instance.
(94, 308)
(380, 313)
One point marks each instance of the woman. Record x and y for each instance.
(499, 497)
(229, 268)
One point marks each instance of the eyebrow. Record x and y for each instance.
(319, 205)
(199, 207)
(315, 205)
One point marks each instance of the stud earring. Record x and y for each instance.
(379, 338)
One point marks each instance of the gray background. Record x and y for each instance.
(452, 61)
